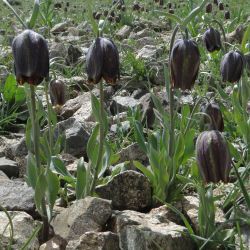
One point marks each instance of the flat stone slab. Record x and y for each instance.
(17, 196)
(9, 167)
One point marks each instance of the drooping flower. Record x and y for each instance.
(102, 61)
(213, 157)
(212, 39)
(31, 57)
(57, 91)
(184, 63)
(232, 66)
(215, 119)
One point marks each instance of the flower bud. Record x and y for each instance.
(212, 40)
(215, 119)
(102, 61)
(231, 67)
(213, 156)
(31, 57)
(209, 8)
(184, 63)
(57, 91)
(227, 14)
(221, 6)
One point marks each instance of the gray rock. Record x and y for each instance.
(132, 153)
(140, 34)
(80, 107)
(3, 176)
(17, 148)
(149, 52)
(141, 42)
(89, 214)
(95, 241)
(17, 196)
(23, 225)
(76, 136)
(127, 190)
(164, 214)
(190, 207)
(56, 243)
(237, 35)
(3, 145)
(123, 127)
(74, 53)
(9, 167)
(59, 27)
(122, 103)
(138, 231)
(73, 31)
(58, 50)
(147, 105)
(3, 73)
(124, 32)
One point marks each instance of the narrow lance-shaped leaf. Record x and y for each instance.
(81, 179)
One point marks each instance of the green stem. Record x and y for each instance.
(171, 99)
(35, 128)
(49, 117)
(224, 48)
(191, 115)
(101, 139)
(36, 136)
(45, 228)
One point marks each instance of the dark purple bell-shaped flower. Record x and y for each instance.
(184, 63)
(102, 61)
(232, 66)
(57, 91)
(212, 40)
(31, 57)
(213, 118)
(213, 156)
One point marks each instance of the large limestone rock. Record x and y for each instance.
(95, 241)
(55, 243)
(9, 167)
(16, 196)
(190, 207)
(76, 136)
(23, 226)
(127, 190)
(89, 214)
(138, 231)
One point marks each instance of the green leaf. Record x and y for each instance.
(40, 190)
(245, 40)
(28, 135)
(58, 166)
(81, 179)
(20, 97)
(106, 160)
(10, 88)
(34, 15)
(145, 171)
(95, 104)
(139, 136)
(53, 188)
(180, 147)
(93, 145)
(31, 171)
